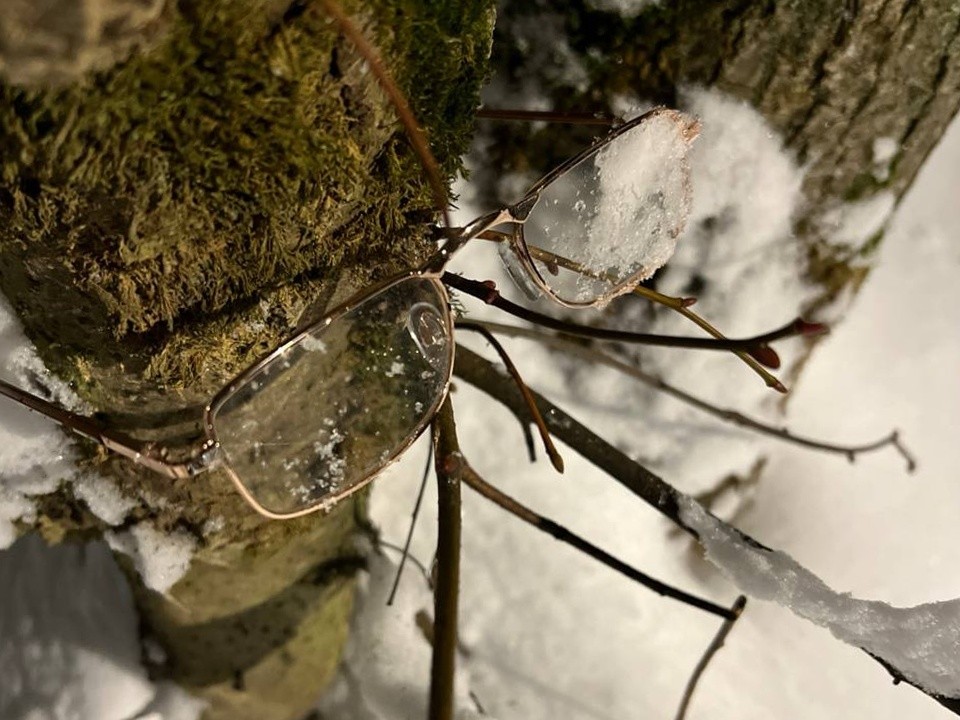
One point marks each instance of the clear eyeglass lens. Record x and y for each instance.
(340, 403)
(616, 216)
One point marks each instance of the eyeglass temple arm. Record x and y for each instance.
(148, 454)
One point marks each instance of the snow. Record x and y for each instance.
(388, 655)
(160, 558)
(103, 498)
(856, 222)
(884, 151)
(627, 8)
(68, 638)
(547, 633)
(920, 642)
(36, 455)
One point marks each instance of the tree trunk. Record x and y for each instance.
(180, 184)
(833, 78)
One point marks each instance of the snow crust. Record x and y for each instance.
(921, 642)
(618, 213)
(160, 558)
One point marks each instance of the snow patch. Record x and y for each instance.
(626, 8)
(103, 498)
(884, 150)
(161, 559)
(857, 222)
(921, 642)
(67, 625)
(37, 455)
(387, 659)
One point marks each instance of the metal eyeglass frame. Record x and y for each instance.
(206, 454)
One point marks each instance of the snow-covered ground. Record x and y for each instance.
(546, 633)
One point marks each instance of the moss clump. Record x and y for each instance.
(247, 149)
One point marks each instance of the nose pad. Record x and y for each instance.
(516, 271)
(428, 329)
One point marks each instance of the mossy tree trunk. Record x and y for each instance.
(180, 183)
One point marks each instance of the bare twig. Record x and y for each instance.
(570, 118)
(447, 589)
(405, 552)
(473, 479)
(592, 354)
(551, 449)
(708, 654)
(413, 523)
(399, 100)
(757, 345)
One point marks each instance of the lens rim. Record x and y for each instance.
(243, 378)
(690, 127)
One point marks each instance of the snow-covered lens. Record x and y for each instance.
(340, 402)
(614, 218)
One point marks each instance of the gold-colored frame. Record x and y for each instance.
(210, 412)
(207, 455)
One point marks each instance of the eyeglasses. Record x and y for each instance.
(320, 416)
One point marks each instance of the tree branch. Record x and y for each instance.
(447, 589)
(643, 483)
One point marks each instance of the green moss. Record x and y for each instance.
(169, 221)
(244, 151)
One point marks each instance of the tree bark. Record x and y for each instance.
(174, 199)
(832, 78)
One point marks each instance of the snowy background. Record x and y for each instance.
(545, 632)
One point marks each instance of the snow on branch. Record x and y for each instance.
(919, 644)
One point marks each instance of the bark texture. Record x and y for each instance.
(831, 77)
(229, 168)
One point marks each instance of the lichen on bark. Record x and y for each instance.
(166, 220)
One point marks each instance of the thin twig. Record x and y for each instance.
(570, 118)
(680, 305)
(489, 294)
(413, 524)
(473, 480)
(708, 654)
(551, 449)
(446, 592)
(596, 355)
(413, 558)
(400, 104)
